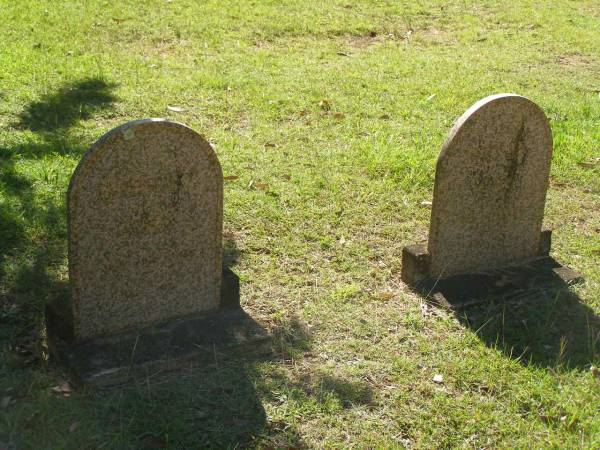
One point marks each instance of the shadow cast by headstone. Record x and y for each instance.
(215, 405)
(230, 284)
(211, 407)
(231, 252)
(348, 393)
(212, 400)
(527, 311)
(550, 328)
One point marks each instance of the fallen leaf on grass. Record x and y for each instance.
(231, 177)
(431, 97)
(384, 296)
(338, 115)
(270, 144)
(153, 441)
(586, 164)
(257, 185)
(62, 388)
(325, 105)
(73, 427)
(175, 109)
(286, 176)
(426, 203)
(438, 378)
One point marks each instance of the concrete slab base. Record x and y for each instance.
(140, 354)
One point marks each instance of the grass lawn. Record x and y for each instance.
(328, 118)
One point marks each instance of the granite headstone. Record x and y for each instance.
(489, 194)
(490, 187)
(148, 292)
(145, 226)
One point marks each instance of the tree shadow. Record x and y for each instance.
(73, 102)
(33, 222)
(31, 238)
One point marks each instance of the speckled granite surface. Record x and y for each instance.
(490, 187)
(145, 221)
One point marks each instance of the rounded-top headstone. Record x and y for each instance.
(490, 187)
(145, 208)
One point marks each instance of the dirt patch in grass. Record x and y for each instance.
(367, 40)
(575, 59)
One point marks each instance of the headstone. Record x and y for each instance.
(147, 288)
(489, 194)
(145, 222)
(490, 187)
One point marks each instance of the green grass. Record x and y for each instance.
(341, 109)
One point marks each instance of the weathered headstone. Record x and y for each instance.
(489, 194)
(145, 225)
(145, 212)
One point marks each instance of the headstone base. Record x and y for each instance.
(512, 283)
(140, 355)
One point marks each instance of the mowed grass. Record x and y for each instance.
(327, 118)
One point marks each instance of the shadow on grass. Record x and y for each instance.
(32, 220)
(215, 406)
(218, 406)
(529, 312)
(72, 103)
(549, 329)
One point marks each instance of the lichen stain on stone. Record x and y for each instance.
(178, 188)
(128, 134)
(516, 160)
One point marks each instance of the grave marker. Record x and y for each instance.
(145, 225)
(145, 213)
(489, 194)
